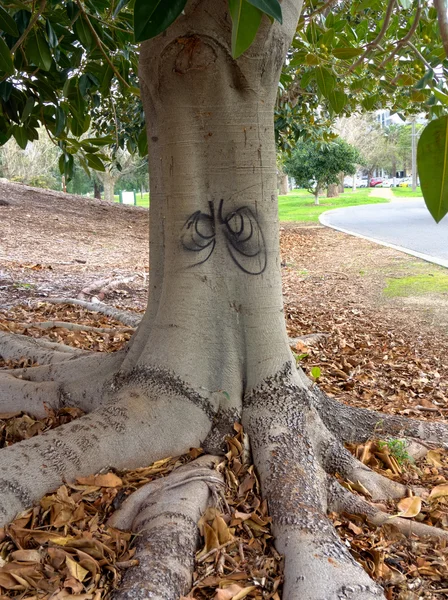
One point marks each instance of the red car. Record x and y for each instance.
(375, 181)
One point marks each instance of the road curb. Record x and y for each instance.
(426, 257)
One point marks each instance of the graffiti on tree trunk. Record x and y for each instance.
(240, 229)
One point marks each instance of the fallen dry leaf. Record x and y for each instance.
(439, 491)
(109, 480)
(409, 507)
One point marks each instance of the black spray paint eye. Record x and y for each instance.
(198, 234)
(241, 230)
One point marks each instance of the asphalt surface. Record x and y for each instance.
(403, 224)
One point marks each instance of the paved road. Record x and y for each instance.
(404, 224)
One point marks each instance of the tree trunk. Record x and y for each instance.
(96, 190)
(284, 184)
(109, 182)
(341, 188)
(212, 346)
(332, 190)
(316, 197)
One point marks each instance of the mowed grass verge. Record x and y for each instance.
(406, 192)
(298, 205)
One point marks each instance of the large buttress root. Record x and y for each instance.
(317, 564)
(151, 415)
(297, 454)
(80, 382)
(353, 424)
(14, 346)
(165, 514)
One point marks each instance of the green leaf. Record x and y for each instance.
(432, 161)
(269, 7)
(38, 51)
(142, 143)
(441, 96)
(95, 162)
(20, 136)
(28, 108)
(7, 23)
(51, 35)
(405, 3)
(346, 53)
(325, 81)
(6, 64)
(246, 20)
(61, 121)
(83, 32)
(338, 100)
(315, 372)
(151, 17)
(66, 163)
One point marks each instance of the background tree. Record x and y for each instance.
(315, 166)
(209, 86)
(36, 165)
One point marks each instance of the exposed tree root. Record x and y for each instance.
(75, 327)
(80, 382)
(352, 424)
(126, 317)
(14, 346)
(101, 287)
(151, 416)
(341, 500)
(148, 414)
(295, 453)
(165, 514)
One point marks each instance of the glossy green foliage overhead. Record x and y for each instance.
(70, 67)
(350, 57)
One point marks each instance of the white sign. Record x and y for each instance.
(127, 197)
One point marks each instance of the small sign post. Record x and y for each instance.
(128, 198)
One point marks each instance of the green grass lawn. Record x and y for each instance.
(142, 200)
(298, 205)
(407, 192)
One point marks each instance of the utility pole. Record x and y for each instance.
(414, 156)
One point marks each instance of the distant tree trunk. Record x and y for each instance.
(394, 170)
(332, 190)
(316, 197)
(354, 183)
(96, 190)
(341, 188)
(284, 185)
(109, 185)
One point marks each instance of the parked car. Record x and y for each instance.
(406, 182)
(376, 181)
(387, 183)
(348, 182)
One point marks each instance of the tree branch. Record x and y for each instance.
(405, 39)
(379, 37)
(442, 17)
(31, 24)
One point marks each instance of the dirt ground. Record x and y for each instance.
(388, 353)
